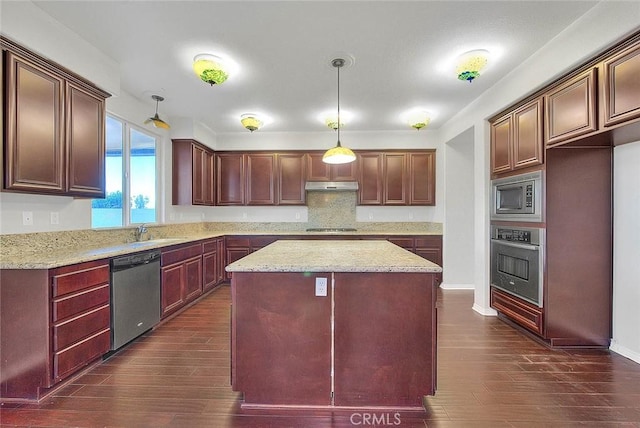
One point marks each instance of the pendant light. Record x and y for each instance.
(155, 120)
(338, 154)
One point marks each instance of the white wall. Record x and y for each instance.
(626, 250)
(458, 237)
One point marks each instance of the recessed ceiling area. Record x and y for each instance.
(404, 55)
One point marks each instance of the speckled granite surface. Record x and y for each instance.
(52, 249)
(332, 256)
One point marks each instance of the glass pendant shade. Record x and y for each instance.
(210, 69)
(471, 64)
(250, 121)
(338, 155)
(418, 119)
(155, 119)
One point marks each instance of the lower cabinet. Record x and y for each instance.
(212, 263)
(181, 277)
(53, 323)
(517, 310)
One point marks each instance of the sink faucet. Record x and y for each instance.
(140, 230)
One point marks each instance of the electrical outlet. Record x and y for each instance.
(55, 217)
(321, 287)
(27, 218)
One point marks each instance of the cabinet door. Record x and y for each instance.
(622, 86)
(230, 179)
(85, 143)
(527, 135)
(208, 188)
(501, 145)
(344, 172)
(222, 275)
(260, 178)
(235, 253)
(291, 177)
(209, 270)
(370, 178)
(316, 169)
(193, 278)
(422, 178)
(395, 179)
(197, 175)
(35, 152)
(571, 108)
(172, 283)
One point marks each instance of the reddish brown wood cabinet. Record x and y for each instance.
(53, 323)
(260, 179)
(396, 178)
(622, 86)
(571, 108)
(212, 263)
(320, 171)
(193, 173)
(55, 128)
(516, 138)
(517, 310)
(181, 277)
(291, 173)
(230, 177)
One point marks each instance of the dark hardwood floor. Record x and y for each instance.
(489, 375)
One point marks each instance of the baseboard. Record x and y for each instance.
(625, 352)
(488, 312)
(445, 286)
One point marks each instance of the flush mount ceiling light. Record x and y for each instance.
(251, 121)
(155, 119)
(332, 122)
(471, 63)
(338, 154)
(418, 119)
(210, 69)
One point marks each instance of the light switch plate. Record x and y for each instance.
(321, 287)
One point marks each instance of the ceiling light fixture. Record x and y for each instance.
(251, 121)
(471, 63)
(210, 69)
(338, 154)
(155, 120)
(418, 119)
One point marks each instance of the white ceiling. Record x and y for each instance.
(404, 54)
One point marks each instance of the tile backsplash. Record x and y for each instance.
(332, 209)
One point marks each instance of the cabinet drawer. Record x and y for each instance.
(429, 241)
(174, 256)
(75, 329)
(69, 282)
(78, 303)
(234, 241)
(524, 314)
(209, 246)
(69, 360)
(406, 243)
(258, 242)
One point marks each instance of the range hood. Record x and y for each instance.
(331, 186)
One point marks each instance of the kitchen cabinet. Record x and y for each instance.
(181, 277)
(517, 310)
(236, 247)
(622, 85)
(260, 178)
(320, 171)
(516, 138)
(396, 178)
(230, 178)
(571, 108)
(192, 173)
(291, 173)
(55, 128)
(212, 263)
(53, 323)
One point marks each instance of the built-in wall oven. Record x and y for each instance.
(517, 261)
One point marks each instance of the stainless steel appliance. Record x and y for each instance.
(135, 296)
(517, 198)
(517, 261)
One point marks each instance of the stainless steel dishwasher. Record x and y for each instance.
(135, 296)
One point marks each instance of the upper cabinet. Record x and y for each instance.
(230, 178)
(54, 128)
(291, 173)
(516, 138)
(260, 181)
(622, 86)
(193, 177)
(396, 178)
(320, 171)
(571, 108)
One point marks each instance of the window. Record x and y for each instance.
(130, 170)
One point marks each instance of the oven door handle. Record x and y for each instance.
(516, 245)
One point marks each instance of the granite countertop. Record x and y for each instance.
(333, 256)
(54, 255)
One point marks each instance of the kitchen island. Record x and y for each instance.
(333, 324)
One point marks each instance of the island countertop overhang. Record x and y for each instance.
(333, 256)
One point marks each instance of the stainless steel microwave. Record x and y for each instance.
(517, 198)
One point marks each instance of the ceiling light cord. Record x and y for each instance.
(338, 63)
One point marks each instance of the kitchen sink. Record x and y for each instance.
(152, 242)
